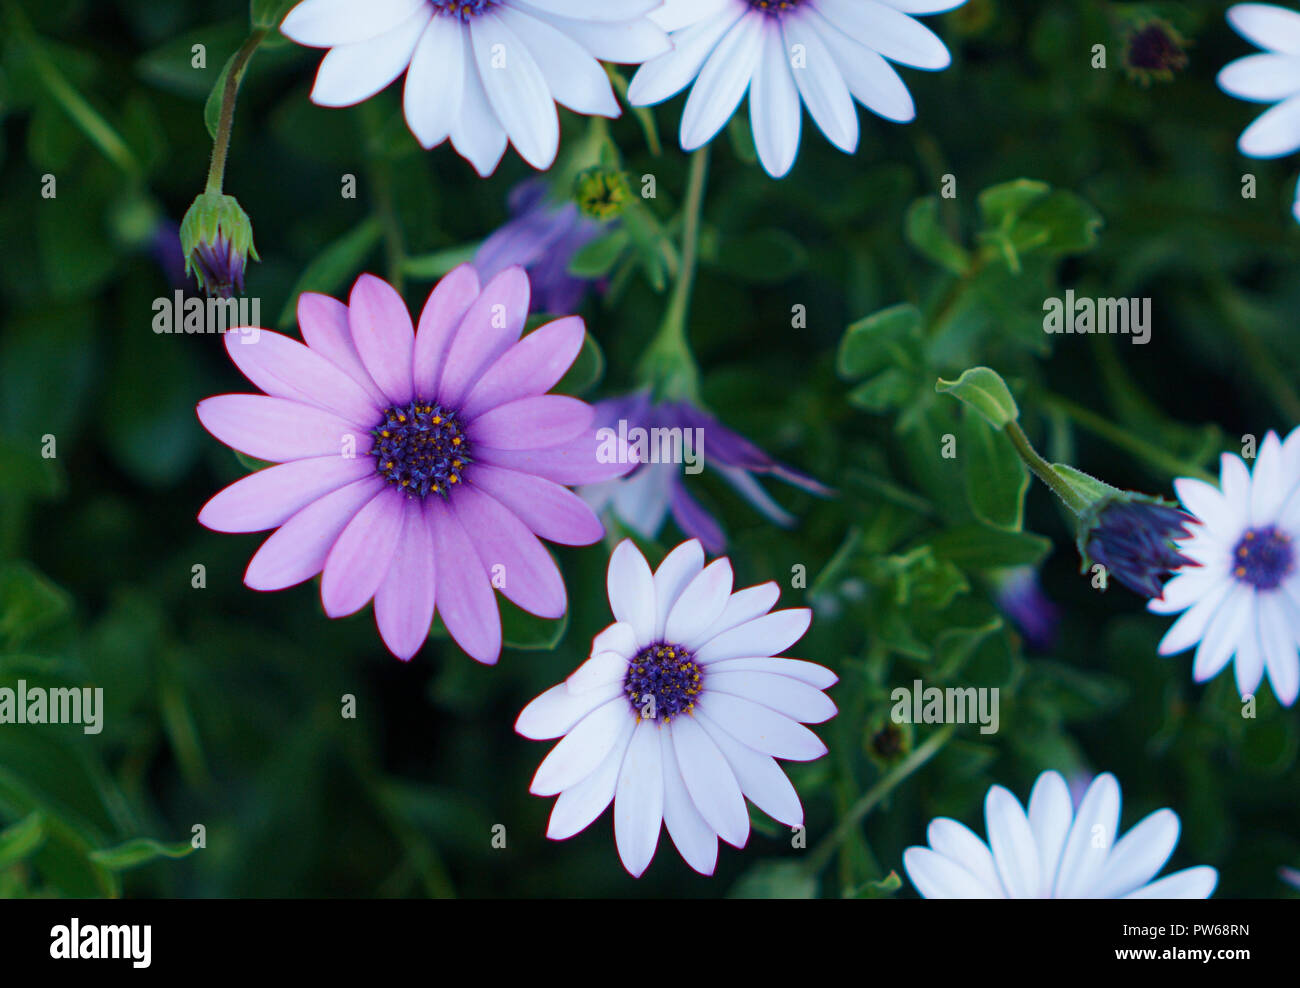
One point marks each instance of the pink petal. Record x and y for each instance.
(532, 423)
(442, 314)
(297, 550)
(383, 336)
(323, 322)
(267, 498)
(404, 601)
(553, 512)
(360, 558)
(285, 368)
(579, 461)
(492, 323)
(519, 565)
(278, 429)
(465, 598)
(532, 366)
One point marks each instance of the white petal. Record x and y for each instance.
(762, 728)
(722, 82)
(1263, 78)
(677, 570)
(1185, 589)
(701, 604)
(631, 591)
(1091, 839)
(1012, 841)
(582, 749)
(694, 838)
(774, 112)
(628, 42)
(1137, 857)
(516, 90)
(888, 31)
(554, 712)
(642, 500)
(605, 10)
(1050, 816)
(326, 23)
(1278, 630)
(670, 73)
(476, 134)
(710, 781)
(675, 15)
(759, 776)
(796, 700)
(639, 800)
(435, 82)
(959, 844)
(1205, 502)
(1190, 883)
(1268, 486)
(743, 605)
(349, 74)
(925, 6)
(805, 672)
(1275, 132)
(870, 78)
(1224, 633)
(1271, 27)
(821, 85)
(581, 803)
(597, 673)
(1190, 628)
(574, 78)
(770, 634)
(936, 877)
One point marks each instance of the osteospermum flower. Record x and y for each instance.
(671, 438)
(1136, 540)
(1054, 851)
(817, 53)
(478, 71)
(1270, 77)
(414, 468)
(680, 712)
(1243, 597)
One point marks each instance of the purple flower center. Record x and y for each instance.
(662, 682)
(421, 448)
(775, 8)
(1263, 558)
(464, 9)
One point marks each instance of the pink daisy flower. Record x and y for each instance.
(414, 468)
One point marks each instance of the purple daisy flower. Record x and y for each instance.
(1020, 597)
(542, 236)
(670, 438)
(413, 467)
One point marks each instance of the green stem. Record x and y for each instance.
(668, 363)
(873, 796)
(385, 206)
(226, 120)
(1043, 470)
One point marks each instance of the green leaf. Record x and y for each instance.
(982, 547)
(881, 889)
(29, 602)
(334, 266)
(140, 851)
(529, 633)
(267, 14)
(21, 839)
(430, 267)
(996, 477)
(926, 233)
(775, 880)
(212, 108)
(983, 390)
(1001, 205)
(886, 391)
(874, 342)
(769, 255)
(597, 258)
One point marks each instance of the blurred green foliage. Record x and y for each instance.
(222, 705)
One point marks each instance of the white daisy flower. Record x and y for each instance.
(821, 53)
(478, 71)
(1054, 852)
(1243, 599)
(1270, 77)
(680, 712)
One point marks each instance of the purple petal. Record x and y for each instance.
(383, 336)
(532, 366)
(555, 513)
(692, 519)
(527, 575)
(278, 429)
(268, 498)
(493, 322)
(324, 325)
(405, 599)
(297, 550)
(442, 314)
(531, 423)
(284, 368)
(360, 558)
(465, 598)
(578, 461)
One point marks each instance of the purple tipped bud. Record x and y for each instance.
(1134, 540)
